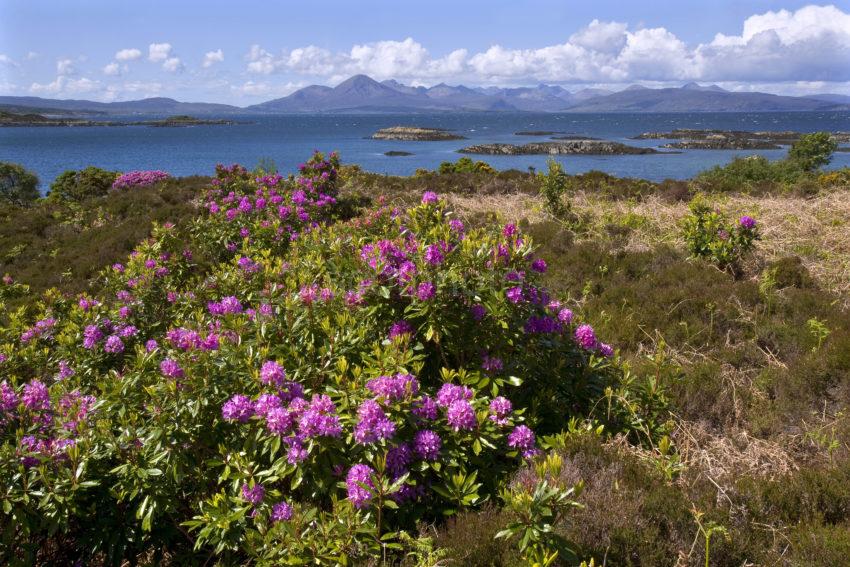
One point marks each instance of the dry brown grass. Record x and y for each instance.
(816, 229)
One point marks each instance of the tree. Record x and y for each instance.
(17, 185)
(83, 184)
(813, 151)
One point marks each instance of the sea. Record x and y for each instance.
(287, 140)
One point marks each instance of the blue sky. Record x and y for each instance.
(249, 51)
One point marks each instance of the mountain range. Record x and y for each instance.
(362, 94)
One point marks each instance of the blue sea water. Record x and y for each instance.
(289, 140)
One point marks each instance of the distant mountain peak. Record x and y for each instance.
(692, 86)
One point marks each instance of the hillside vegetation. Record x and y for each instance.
(462, 367)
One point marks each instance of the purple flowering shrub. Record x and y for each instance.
(314, 386)
(139, 179)
(710, 235)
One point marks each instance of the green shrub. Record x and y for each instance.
(553, 187)
(465, 165)
(390, 325)
(812, 151)
(708, 234)
(751, 174)
(17, 185)
(77, 186)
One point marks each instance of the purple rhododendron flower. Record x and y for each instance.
(426, 444)
(281, 512)
(539, 265)
(372, 424)
(434, 255)
(460, 415)
(585, 337)
(238, 408)
(747, 222)
(429, 198)
(426, 408)
(113, 344)
(254, 494)
(35, 396)
(514, 294)
(522, 438)
(170, 368)
(272, 374)
(425, 291)
(400, 328)
(500, 409)
(452, 392)
(358, 481)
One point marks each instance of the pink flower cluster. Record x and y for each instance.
(139, 179)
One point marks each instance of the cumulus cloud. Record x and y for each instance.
(64, 85)
(172, 65)
(130, 54)
(113, 69)
(6, 60)
(65, 67)
(809, 44)
(212, 57)
(158, 52)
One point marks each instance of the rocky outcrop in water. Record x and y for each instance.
(730, 139)
(415, 134)
(566, 147)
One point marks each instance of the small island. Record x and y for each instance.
(570, 147)
(395, 153)
(692, 139)
(11, 119)
(537, 133)
(574, 137)
(415, 134)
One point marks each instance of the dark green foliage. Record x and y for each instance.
(813, 151)
(553, 188)
(465, 165)
(17, 185)
(80, 185)
(790, 272)
(56, 243)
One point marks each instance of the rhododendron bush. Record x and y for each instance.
(275, 382)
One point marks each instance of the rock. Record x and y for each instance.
(536, 133)
(574, 137)
(397, 153)
(574, 147)
(723, 144)
(731, 139)
(415, 134)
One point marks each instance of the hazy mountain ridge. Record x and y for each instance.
(361, 93)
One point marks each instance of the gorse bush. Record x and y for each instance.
(553, 187)
(708, 234)
(277, 384)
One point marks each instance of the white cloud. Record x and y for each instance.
(173, 65)
(31, 55)
(113, 69)
(212, 57)
(810, 44)
(6, 60)
(158, 52)
(65, 67)
(130, 54)
(66, 86)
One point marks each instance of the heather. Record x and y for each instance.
(300, 369)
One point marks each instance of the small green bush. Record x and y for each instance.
(465, 165)
(80, 185)
(813, 151)
(553, 186)
(710, 235)
(17, 185)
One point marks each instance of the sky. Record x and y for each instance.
(251, 51)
